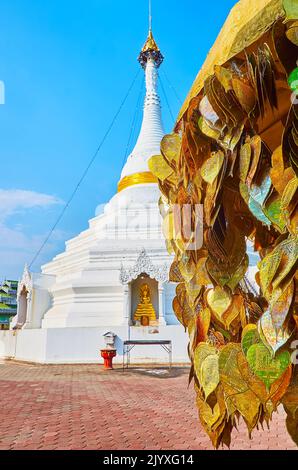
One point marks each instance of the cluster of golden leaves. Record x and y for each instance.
(239, 336)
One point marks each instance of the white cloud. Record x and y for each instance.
(15, 200)
(17, 246)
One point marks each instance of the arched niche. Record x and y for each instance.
(136, 284)
(23, 306)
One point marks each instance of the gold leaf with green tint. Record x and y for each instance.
(291, 9)
(250, 337)
(264, 366)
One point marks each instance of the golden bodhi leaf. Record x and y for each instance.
(274, 212)
(209, 374)
(236, 389)
(224, 76)
(211, 167)
(245, 94)
(250, 336)
(170, 148)
(273, 337)
(207, 130)
(291, 9)
(159, 167)
(236, 310)
(238, 274)
(203, 324)
(266, 367)
(211, 418)
(256, 146)
(292, 33)
(244, 160)
(201, 272)
(289, 257)
(206, 367)
(279, 175)
(289, 192)
(275, 266)
(202, 351)
(280, 386)
(212, 414)
(279, 309)
(218, 300)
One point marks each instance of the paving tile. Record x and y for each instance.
(84, 407)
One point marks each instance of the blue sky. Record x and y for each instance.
(66, 66)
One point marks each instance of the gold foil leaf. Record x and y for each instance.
(245, 94)
(244, 160)
(224, 76)
(292, 33)
(211, 167)
(280, 386)
(264, 366)
(203, 324)
(291, 9)
(207, 130)
(268, 267)
(249, 337)
(279, 310)
(159, 167)
(209, 373)
(170, 148)
(235, 387)
(202, 351)
(289, 192)
(273, 337)
(289, 256)
(219, 301)
(275, 213)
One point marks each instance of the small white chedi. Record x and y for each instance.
(115, 268)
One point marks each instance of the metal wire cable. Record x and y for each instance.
(166, 98)
(133, 125)
(67, 204)
(171, 86)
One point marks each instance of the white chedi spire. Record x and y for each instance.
(151, 133)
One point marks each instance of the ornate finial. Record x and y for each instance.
(150, 48)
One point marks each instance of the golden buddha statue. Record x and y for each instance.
(145, 311)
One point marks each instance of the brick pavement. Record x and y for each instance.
(84, 407)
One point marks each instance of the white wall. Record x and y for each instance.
(82, 345)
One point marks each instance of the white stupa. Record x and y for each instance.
(97, 284)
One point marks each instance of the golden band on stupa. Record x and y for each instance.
(137, 178)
